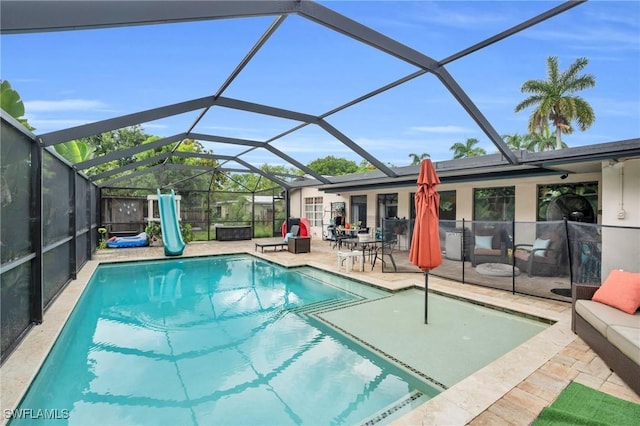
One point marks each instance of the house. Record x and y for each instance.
(263, 208)
(607, 174)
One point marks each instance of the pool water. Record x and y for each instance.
(219, 340)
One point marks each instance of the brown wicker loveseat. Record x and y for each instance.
(613, 334)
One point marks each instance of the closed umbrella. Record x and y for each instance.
(425, 245)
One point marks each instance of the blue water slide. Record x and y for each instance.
(171, 236)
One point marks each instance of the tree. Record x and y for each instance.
(555, 102)
(332, 166)
(517, 141)
(246, 182)
(365, 166)
(543, 141)
(467, 149)
(415, 158)
(10, 102)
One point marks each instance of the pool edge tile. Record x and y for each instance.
(22, 366)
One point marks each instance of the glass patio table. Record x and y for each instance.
(356, 244)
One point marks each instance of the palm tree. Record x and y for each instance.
(415, 158)
(462, 150)
(555, 101)
(543, 141)
(518, 141)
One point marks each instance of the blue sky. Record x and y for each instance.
(75, 77)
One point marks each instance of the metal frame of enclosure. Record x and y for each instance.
(40, 16)
(51, 210)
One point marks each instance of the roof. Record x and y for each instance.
(566, 161)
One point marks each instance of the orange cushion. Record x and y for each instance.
(621, 290)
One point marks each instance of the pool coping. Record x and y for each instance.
(459, 404)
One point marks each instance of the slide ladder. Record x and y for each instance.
(171, 236)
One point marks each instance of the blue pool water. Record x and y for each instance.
(222, 340)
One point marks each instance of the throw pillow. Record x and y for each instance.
(620, 290)
(539, 243)
(286, 237)
(484, 242)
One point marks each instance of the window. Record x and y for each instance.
(447, 205)
(387, 207)
(547, 193)
(313, 210)
(359, 210)
(494, 203)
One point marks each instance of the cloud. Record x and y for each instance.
(463, 18)
(438, 129)
(606, 39)
(64, 105)
(51, 124)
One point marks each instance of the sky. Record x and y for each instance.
(75, 77)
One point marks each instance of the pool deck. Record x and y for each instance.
(510, 391)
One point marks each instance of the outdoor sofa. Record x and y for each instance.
(608, 320)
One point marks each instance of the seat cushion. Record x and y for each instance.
(487, 252)
(601, 316)
(627, 339)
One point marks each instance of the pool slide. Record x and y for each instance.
(171, 236)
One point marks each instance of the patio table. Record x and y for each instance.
(356, 244)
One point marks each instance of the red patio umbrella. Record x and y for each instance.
(425, 245)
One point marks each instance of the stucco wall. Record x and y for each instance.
(526, 203)
(621, 191)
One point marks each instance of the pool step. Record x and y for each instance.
(323, 305)
(396, 409)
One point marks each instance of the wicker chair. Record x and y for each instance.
(490, 246)
(547, 256)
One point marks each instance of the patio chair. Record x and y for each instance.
(489, 246)
(293, 232)
(386, 249)
(547, 256)
(336, 238)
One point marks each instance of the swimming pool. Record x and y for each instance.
(221, 340)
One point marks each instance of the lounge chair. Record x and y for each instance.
(275, 245)
(295, 229)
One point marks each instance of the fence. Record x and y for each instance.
(48, 224)
(203, 210)
(535, 258)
